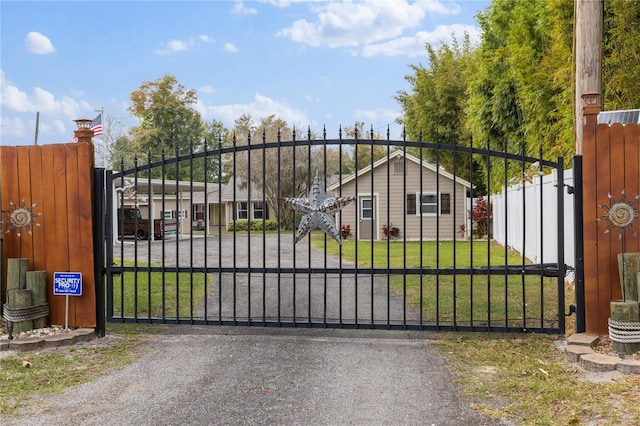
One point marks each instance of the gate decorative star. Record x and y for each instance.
(317, 209)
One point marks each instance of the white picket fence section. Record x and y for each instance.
(525, 219)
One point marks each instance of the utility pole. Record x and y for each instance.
(587, 54)
(37, 125)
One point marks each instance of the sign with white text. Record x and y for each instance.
(67, 283)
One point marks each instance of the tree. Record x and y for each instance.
(436, 107)
(365, 154)
(274, 172)
(168, 123)
(621, 54)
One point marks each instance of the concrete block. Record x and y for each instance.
(598, 362)
(27, 344)
(583, 339)
(573, 352)
(629, 366)
(83, 334)
(59, 340)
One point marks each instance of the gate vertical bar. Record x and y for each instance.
(579, 244)
(561, 263)
(98, 247)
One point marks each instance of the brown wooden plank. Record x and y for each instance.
(48, 221)
(35, 165)
(590, 213)
(86, 305)
(603, 187)
(632, 179)
(73, 223)
(9, 181)
(58, 260)
(617, 162)
(24, 188)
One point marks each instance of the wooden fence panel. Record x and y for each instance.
(611, 160)
(57, 178)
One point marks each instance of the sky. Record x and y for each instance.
(314, 64)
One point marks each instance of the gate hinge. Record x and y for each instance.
(572, 310)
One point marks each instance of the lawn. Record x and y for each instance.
(146, 295)
(462, 299)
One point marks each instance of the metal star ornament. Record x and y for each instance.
(318, 211)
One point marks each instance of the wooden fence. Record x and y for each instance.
(57, 179)
(611, 165)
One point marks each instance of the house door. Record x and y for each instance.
(367, 228)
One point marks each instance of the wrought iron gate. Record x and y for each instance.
(206, 238)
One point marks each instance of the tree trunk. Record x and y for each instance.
(625, 311)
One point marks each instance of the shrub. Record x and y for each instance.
(480, 217)
(345, 231)
(256, 225)
(393, 231)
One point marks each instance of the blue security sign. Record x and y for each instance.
(67, 283)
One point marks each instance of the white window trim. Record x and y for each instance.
(261, 209)
(239, 209)
(373, 213)
(419, 204)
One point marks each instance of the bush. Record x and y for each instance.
(256, 225)
(345, 231)
(394, 231)
(480, 217)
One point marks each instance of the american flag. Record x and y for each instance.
(96, 125)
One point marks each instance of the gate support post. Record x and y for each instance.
(578, 233)
(98, 247)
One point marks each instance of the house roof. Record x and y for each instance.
(396, 154)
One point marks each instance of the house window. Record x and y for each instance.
(366, 209)
(411, 203)
(258, 210)
(168, 214)
(181, 214)
(198, 212)
(445, 203)
(398, 167)
(428, 204)
(243, 211)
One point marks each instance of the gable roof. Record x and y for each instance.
(395, 154)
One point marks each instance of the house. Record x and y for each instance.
(403, 192)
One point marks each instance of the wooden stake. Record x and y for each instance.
(20, 298)
(16, 273)
(625, 311)
(629, 267)
(37, 283)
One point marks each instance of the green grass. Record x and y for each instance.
(50, 372)
(147, 295)
(498, 300)
(525, 381)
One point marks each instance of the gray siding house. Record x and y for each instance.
(403, 192)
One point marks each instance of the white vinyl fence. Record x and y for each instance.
(525, 219)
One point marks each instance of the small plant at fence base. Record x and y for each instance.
(392, 231)
(345, 231)
(256, 225)
(462, 230)
(480, 217)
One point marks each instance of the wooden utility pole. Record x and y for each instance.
(587, 53)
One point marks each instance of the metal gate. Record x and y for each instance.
(209, 237)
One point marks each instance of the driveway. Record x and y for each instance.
(211, 375)
(202, 375)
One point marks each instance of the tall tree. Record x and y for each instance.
(168, 122)
(621, 54)
(276, 172)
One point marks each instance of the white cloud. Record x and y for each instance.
(261, 107)
(415, 45)
(230, 47)
(38, 43)
(349, 24)
(378, 115)
(240, 9)
(12, 127)
(175, 45)
(206, 39)
(206, 89)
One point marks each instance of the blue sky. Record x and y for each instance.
(310, 63)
